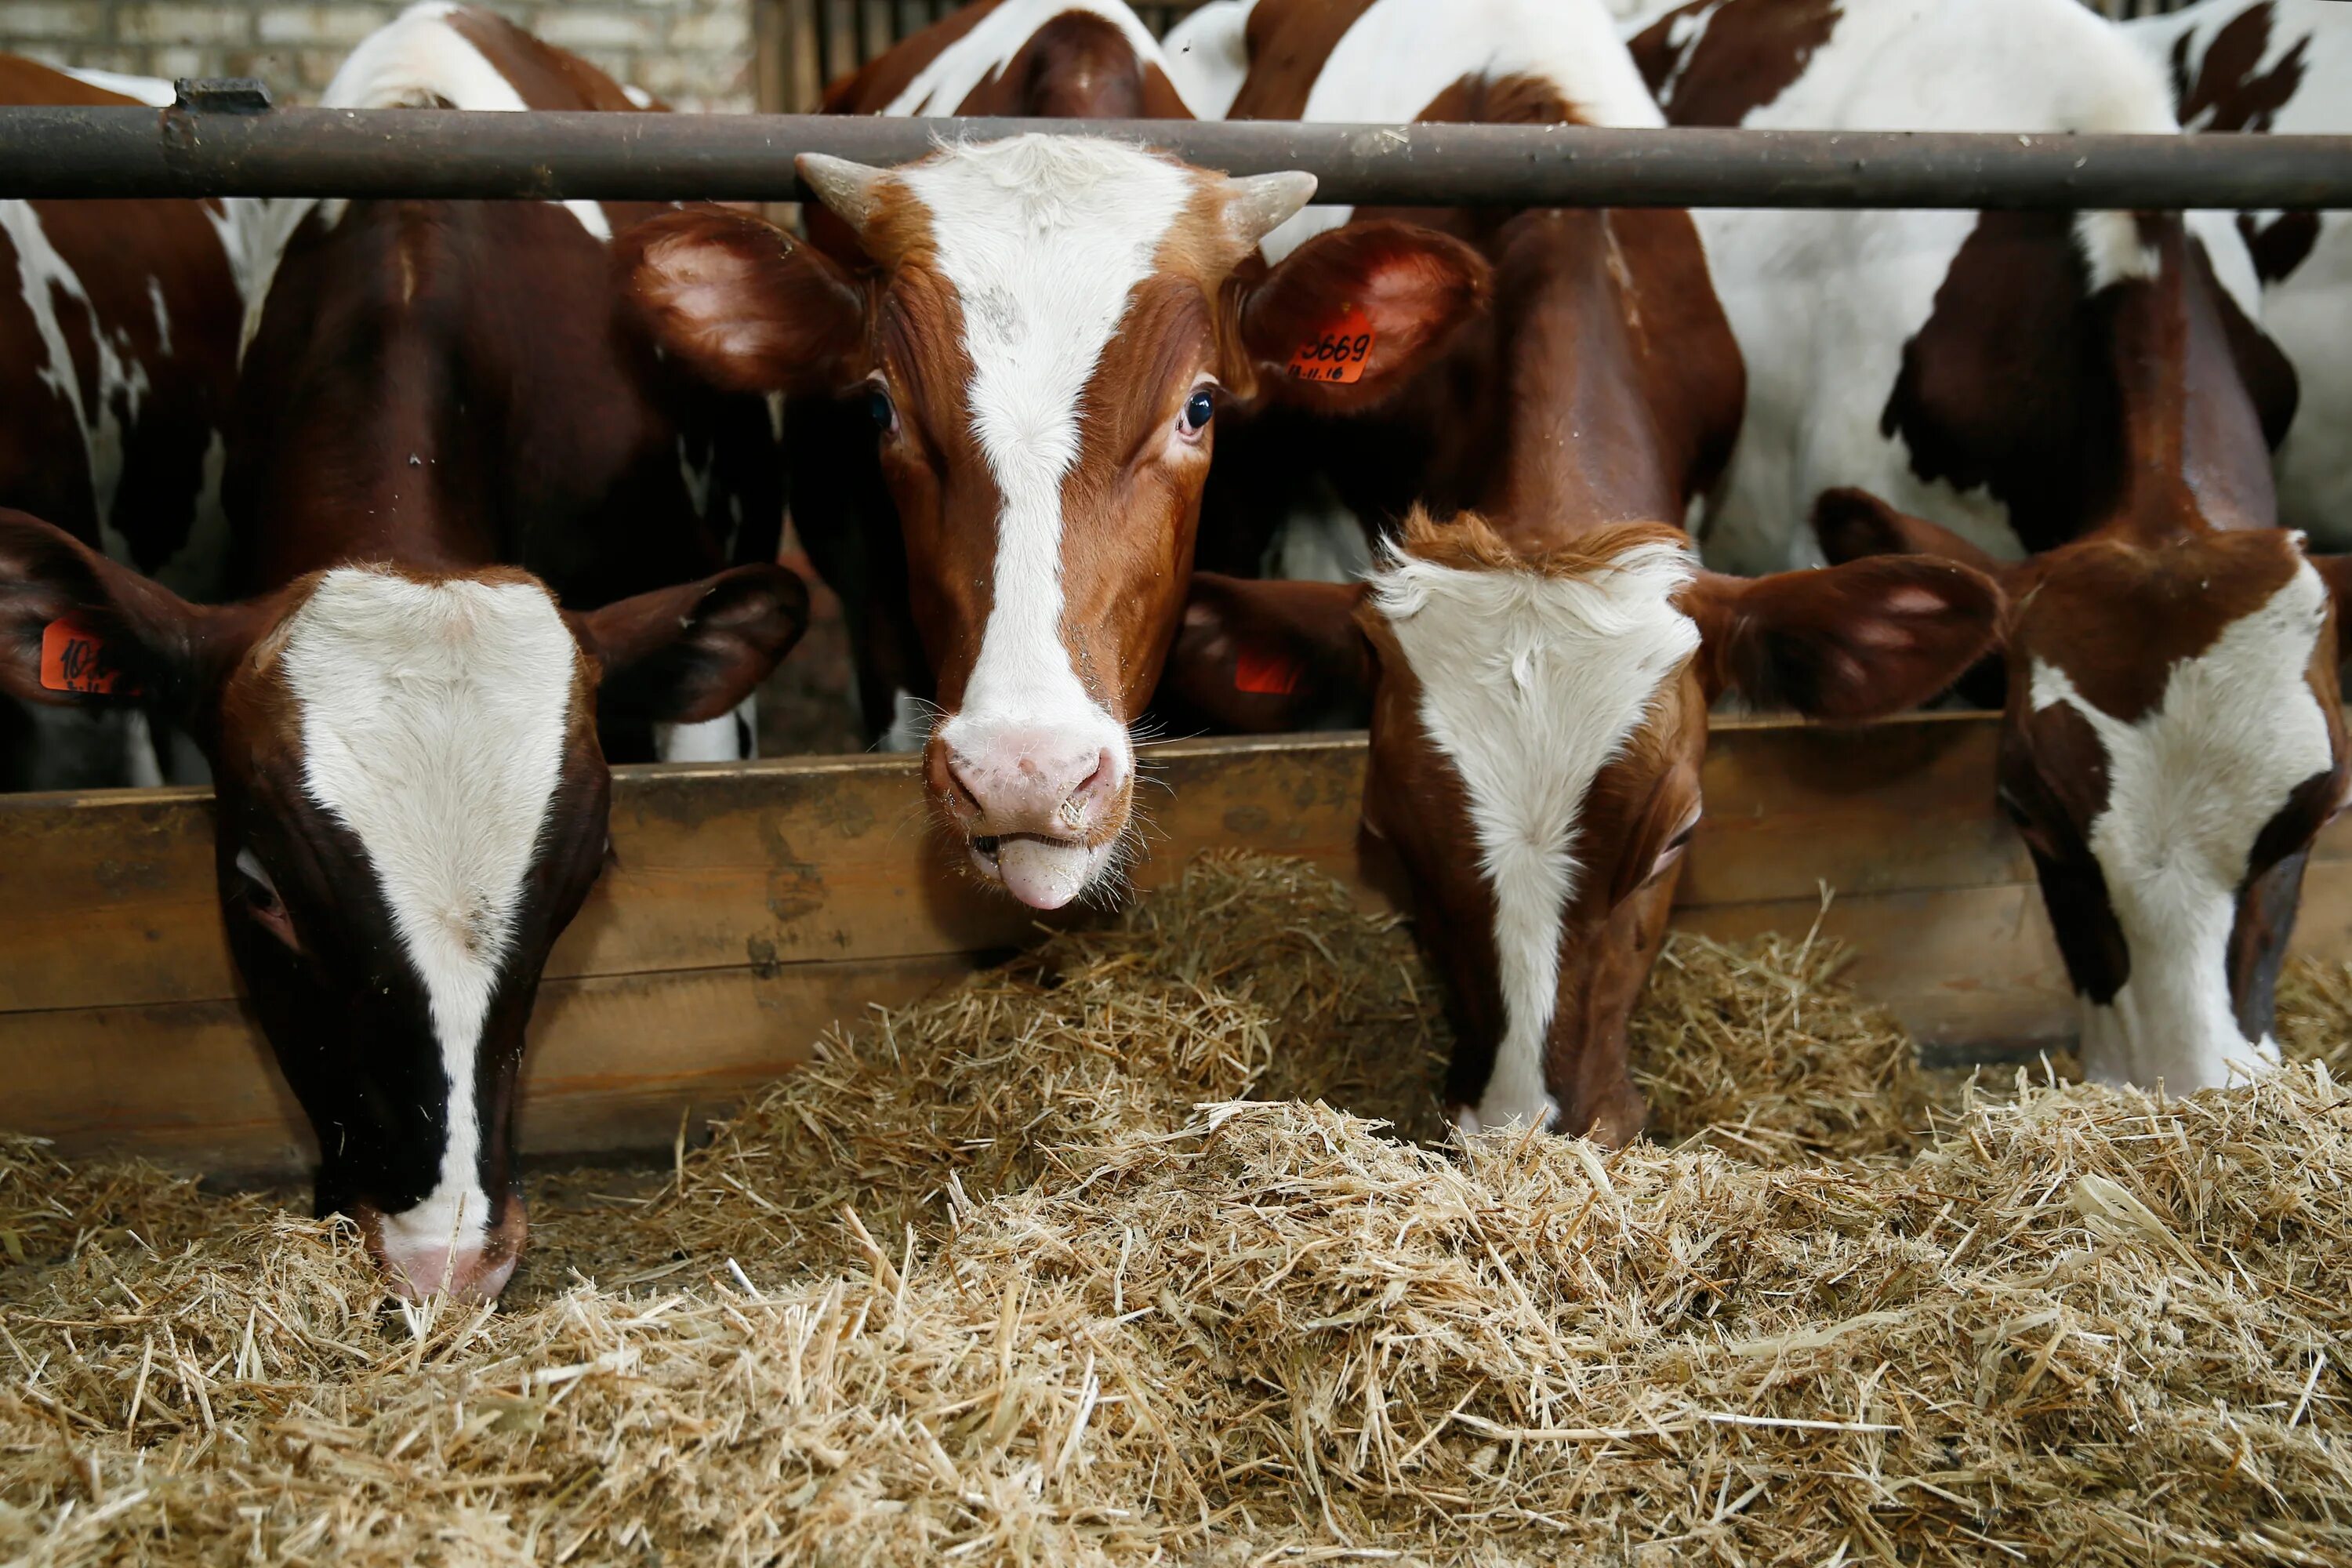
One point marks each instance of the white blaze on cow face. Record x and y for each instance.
(2190, 786)
(1043, 240)
(433, 720)
(1530, 685)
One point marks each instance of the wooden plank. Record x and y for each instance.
(718, 867)
(613, 1063)
(754, 904)
(1961, 967)
(726, 866)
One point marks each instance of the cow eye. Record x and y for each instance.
(1672, 850)
(884, 413)
(262, 899)
(259, 888)
(1199, 409)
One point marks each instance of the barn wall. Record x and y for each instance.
(698, 54)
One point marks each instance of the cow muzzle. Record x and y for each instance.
(462, 1268)
(1042, 811)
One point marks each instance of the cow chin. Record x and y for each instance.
(1044, 873)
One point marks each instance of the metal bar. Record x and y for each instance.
(427, 154)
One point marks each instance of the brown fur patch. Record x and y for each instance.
(1747, 55)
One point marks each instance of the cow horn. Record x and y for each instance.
(846, 187)
(1258, 205)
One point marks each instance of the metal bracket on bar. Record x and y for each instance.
(221, 94)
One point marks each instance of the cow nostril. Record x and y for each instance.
(965, 798)
(1099, 781)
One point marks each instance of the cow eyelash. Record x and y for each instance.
(882, 408)
(259, 889)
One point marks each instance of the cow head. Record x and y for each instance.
(1051, 325)
(1538, 725)
(411, 805)
(2171, 741)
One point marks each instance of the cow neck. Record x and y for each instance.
(1582, 441)
(2193, 453)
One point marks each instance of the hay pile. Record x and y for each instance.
(1065, 1297)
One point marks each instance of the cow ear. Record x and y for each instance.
(1844, 643)
(1853, 525)
(684, 655)
(1345, 319)
(747, 306)
(1261, 657)
(76, 628)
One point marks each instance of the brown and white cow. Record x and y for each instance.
(466, 358)
(403, 725)
(117, 356)
(1540, 675)
(2086, 391)
(410, 805)
(1055, 59)
(1043, 329)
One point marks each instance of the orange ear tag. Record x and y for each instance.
(1337, 353)
(74, 660)
(1265, 674)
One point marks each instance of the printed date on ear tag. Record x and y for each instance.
(74, 658)
(1338, 353)
(1266, 673)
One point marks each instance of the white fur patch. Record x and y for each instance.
(1529, 686)
(981, 55)
(2112, 248)
(2190, 786)
(417, 58)
(1043, 239)
(910, 723)
(1208, 55)
(152, 90)
(433, 720)
(720, 739)
(1400, 54)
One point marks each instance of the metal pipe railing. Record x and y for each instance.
(51, 152)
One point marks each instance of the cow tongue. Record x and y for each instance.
(1044, 873)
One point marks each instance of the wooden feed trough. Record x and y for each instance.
(754, 904)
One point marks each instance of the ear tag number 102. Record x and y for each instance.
(73, 658)
(1337, 353)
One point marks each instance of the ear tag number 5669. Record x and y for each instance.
(1339, 352)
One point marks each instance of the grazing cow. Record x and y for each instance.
(2284, 65)
(1540, 676)
(1042, 329)
(403, 725)
(2085, 390)
(117, 351)
(467, 358)
(411, 805)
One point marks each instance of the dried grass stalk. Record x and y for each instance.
(1019, 1276)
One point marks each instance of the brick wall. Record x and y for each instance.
(697, 54)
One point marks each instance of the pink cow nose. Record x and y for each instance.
(467, 1268)
(1035, 805)
(465, 1273)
